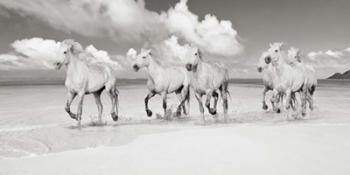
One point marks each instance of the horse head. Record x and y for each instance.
(67, 48)
(264, 61)
(294, 54)
(143, 59)
(275, 53)
(195, 56)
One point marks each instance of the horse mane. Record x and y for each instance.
(162, 59)
(84, 56)
(75, 47)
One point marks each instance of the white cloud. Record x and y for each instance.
(120, 19)
(42, 53)
(330, 61)
(211, 35)
(313, 55)
(330, 53)
(101, 56)
(39, 50)
(170, 51)
(131, 53)
(129, 20)
(335, 54)
(8, 61)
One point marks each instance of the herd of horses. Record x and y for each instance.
(283, 72)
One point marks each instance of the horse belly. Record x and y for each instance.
(95, 82)
(175, 85)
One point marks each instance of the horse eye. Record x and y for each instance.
(196, 54)
(143, 57)
(65, 52)
(276, 51)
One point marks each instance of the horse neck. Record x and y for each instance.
(74, 66)
(269, 72)
(154, 69)
(280, 64)
(199, 68)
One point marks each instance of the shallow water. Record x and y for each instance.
(33, 120)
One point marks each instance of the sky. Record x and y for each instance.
(235, 32)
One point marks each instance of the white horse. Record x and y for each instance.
(163, 81)
(295, 57)
(84, 77)
(288, 79)
(206, 79)
(268, 73)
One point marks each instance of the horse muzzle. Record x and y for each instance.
(260, 69)
(58, 65)
(136, 67)
(189, 67)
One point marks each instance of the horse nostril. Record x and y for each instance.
(268, 60)
(135, 67)
(189, 67)
(259, 69)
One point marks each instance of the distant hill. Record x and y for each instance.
(345, 75)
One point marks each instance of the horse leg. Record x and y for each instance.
(288, 98)
(310, 100)
(216, 98)
(80, 107)
(116, 96)
(97, 96)
(275, 101)
(207, 102)
(303, 96)
(148, 97)
(71, 96)
(264, 106)
(113, 94)
(293, 101)
(201, 108)
(186, 97)
(224, 101)
(181, 99)
(164, 97)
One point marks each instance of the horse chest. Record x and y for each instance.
(199, 86)
(74, 85)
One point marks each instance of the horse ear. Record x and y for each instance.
(282, 45)
(149, 51)
(199, 53)
(76, 47)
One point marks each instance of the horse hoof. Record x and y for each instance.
(265, 107)
(73, 116)
(212, 111)
(149, 113)
(114, 117)
(278, 111)
(303, 114)
(178, 113)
